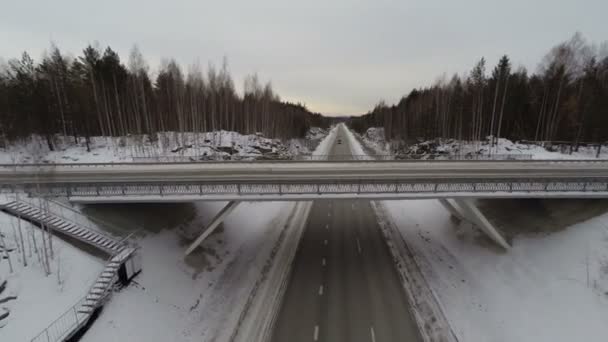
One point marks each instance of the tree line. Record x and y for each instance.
(565, 100)
(96, 94)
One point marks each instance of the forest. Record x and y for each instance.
(566, 99)
(96, 94)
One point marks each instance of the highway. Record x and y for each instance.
(343, 285)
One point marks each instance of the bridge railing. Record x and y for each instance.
(409, 186)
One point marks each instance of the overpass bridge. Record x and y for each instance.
(309, 180)
(455, 183)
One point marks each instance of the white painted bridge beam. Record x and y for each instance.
(215, 222)
(469, 212)
(449, 206)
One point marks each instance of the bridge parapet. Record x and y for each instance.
(278, 190)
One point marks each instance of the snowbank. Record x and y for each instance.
(442, 148)
(168, 146)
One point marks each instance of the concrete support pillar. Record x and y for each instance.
(452, 209)
(477, 217)
(215, 222)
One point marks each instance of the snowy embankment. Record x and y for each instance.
(168, 146)
(547, 287)
(225, 291)
(552, 285)
(40, 298)
(374, 139)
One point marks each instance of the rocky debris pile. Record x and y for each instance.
(234, 146)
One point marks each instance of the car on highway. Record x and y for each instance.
(339, 141)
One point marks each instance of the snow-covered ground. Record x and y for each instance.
(547, 287)
(199, 298)
(552, 285)
(41, 298)
(169, 146)
(375, 140)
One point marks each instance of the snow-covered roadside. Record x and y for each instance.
(552, 285)
(40, 298)
(199, 298)
(374, 139)
(325, 145)
(204, 297)
(168, 146)
(537, 291)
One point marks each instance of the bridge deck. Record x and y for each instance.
(311, 180)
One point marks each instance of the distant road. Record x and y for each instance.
(344, 286)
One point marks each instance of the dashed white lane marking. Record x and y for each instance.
(327, 226)
(358, 246)
(315, 335)
(323, 262)
(372, 333)
(329, 214)
(325, 242)
(321, 290)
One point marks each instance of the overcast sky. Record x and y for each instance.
(337, 56)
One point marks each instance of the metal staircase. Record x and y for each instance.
(102, 288)
(119, 251)
(62, 225)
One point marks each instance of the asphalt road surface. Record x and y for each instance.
(344, 285)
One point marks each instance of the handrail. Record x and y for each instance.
(67, 330)
(98, 221)
(85, 226)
